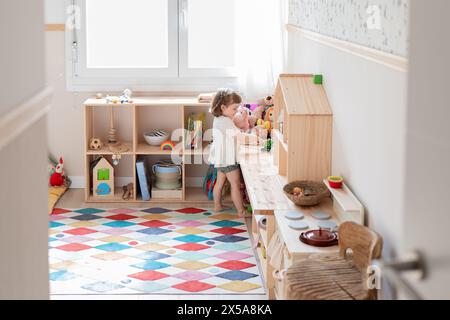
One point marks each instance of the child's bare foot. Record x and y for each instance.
(241, 214)
(220, 209)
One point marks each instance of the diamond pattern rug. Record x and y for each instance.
(154, 251)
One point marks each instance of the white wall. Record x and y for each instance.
(368, 102)
(23, 170)
(55, 11)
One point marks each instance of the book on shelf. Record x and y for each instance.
(144, 180)
(194, 136)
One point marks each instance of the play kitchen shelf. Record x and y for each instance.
(346, 204)
(302, 138)
(132, 120)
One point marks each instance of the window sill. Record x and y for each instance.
(192, 85)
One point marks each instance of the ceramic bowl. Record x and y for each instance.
(156, 138)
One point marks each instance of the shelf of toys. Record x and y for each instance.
(150, 129)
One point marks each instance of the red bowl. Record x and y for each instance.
(334, 183)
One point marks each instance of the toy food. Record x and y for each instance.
(335, 182)
(297, 190)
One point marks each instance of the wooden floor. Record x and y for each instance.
(74, 199)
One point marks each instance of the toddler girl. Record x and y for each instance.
(224, 149)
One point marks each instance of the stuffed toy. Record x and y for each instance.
(243, 120)
(57, 178)
(267, 103)
(263, 125)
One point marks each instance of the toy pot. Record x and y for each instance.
(167, 177)
(335, 182)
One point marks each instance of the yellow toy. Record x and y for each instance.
(265, 124)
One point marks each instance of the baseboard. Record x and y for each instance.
(79, 182)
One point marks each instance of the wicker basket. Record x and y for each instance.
(314, 193)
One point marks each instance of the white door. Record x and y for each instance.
(426, 212)
(24, 269)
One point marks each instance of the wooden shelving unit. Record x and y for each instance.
(134, 119)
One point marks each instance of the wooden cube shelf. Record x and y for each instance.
(133, 120)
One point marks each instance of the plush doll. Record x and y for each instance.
(267, 103)
(57, 178)
(243, 120)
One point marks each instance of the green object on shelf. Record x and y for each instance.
(318, 79)
(267, 145)
(249, 208)
(103, 174)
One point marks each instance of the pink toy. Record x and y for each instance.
(243, 120)
(57, 178)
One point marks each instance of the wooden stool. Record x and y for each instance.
(336, 277)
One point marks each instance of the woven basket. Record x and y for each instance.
(316, 192)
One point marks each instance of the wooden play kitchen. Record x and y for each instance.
(302, 140)
(137, 120)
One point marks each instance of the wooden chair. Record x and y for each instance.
(337, 277)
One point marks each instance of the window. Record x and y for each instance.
(152, 44)
(206, 37)
(138, 39)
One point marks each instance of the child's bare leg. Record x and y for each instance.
(218, 187)
(234, 178)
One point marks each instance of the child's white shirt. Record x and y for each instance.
(223, 151)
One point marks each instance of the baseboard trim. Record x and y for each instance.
(392, 61)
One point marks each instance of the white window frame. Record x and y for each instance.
(185, 71)
(178, 77)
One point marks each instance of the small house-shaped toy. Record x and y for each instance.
(103, 179)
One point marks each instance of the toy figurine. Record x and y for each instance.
(267, 145)
(57, 178)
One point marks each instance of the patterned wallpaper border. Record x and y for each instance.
(378, 24)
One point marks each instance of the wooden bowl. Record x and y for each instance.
(312, 192)
(319, 238)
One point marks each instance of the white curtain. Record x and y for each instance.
(261, 45)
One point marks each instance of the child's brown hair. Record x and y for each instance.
(224, 97)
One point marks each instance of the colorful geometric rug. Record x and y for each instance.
(151, 251)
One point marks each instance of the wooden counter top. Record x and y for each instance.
(264, 184)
